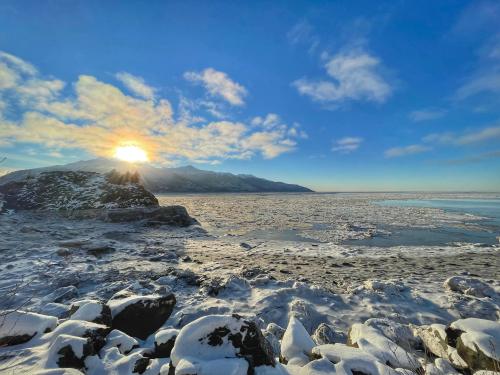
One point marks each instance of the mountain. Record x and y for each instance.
(169, 180)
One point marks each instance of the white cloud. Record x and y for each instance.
(19, 64)
(355, 76)
(482, 81)
(483, 135)
(406, 150)
(97, 116)
(136, 85)
(426, 114)
(347, 145)
(218, 84)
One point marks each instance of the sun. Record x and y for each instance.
(131, 154)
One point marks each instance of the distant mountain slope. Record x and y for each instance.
(174, 180)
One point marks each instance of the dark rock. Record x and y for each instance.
(15, 340)
(163, 350)
(99, 250)
(246, 246)
(144, 317)
(141, 365)
(169, 215)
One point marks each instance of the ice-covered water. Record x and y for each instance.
(356, 219)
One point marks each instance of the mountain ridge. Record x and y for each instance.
(184, 179)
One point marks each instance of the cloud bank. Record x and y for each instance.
(97, 116)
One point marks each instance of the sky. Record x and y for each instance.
(333, 95)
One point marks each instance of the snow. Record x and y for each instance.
(18, 323)
(61, 341)
(149, 262)
(120, 340)
(229, 366)
(480, 334)
(191, 343)
(74, 328)
(469, 286)
(296, 345)
(374, 342)
(162, 336)
(117, 305)
(87, 310)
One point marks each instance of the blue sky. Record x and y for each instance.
(337, 96)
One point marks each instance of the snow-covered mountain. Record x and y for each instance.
(161, 180)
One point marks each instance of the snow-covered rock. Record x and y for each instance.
(69, 351)
(68, 190)
(477, 342)
(400, 333)
(120, 340)
(17, 327)
(164, 342)
(91, 311)
(434, 339)
(296, 345)
(223, 343)
(326, 334)
(349, 360)
(372, 341)
(140, 316)
(469, 286)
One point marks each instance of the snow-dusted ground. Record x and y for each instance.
(48, 263)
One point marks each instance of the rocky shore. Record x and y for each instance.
(147, 290)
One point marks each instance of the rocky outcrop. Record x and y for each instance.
(140, 316)
(68, 190)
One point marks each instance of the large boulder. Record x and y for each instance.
(229, 343)
(68, 190)
(17, 327)
(140, 316)
(477, 341)
(434, 339)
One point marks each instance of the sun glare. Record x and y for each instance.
(131, 154)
